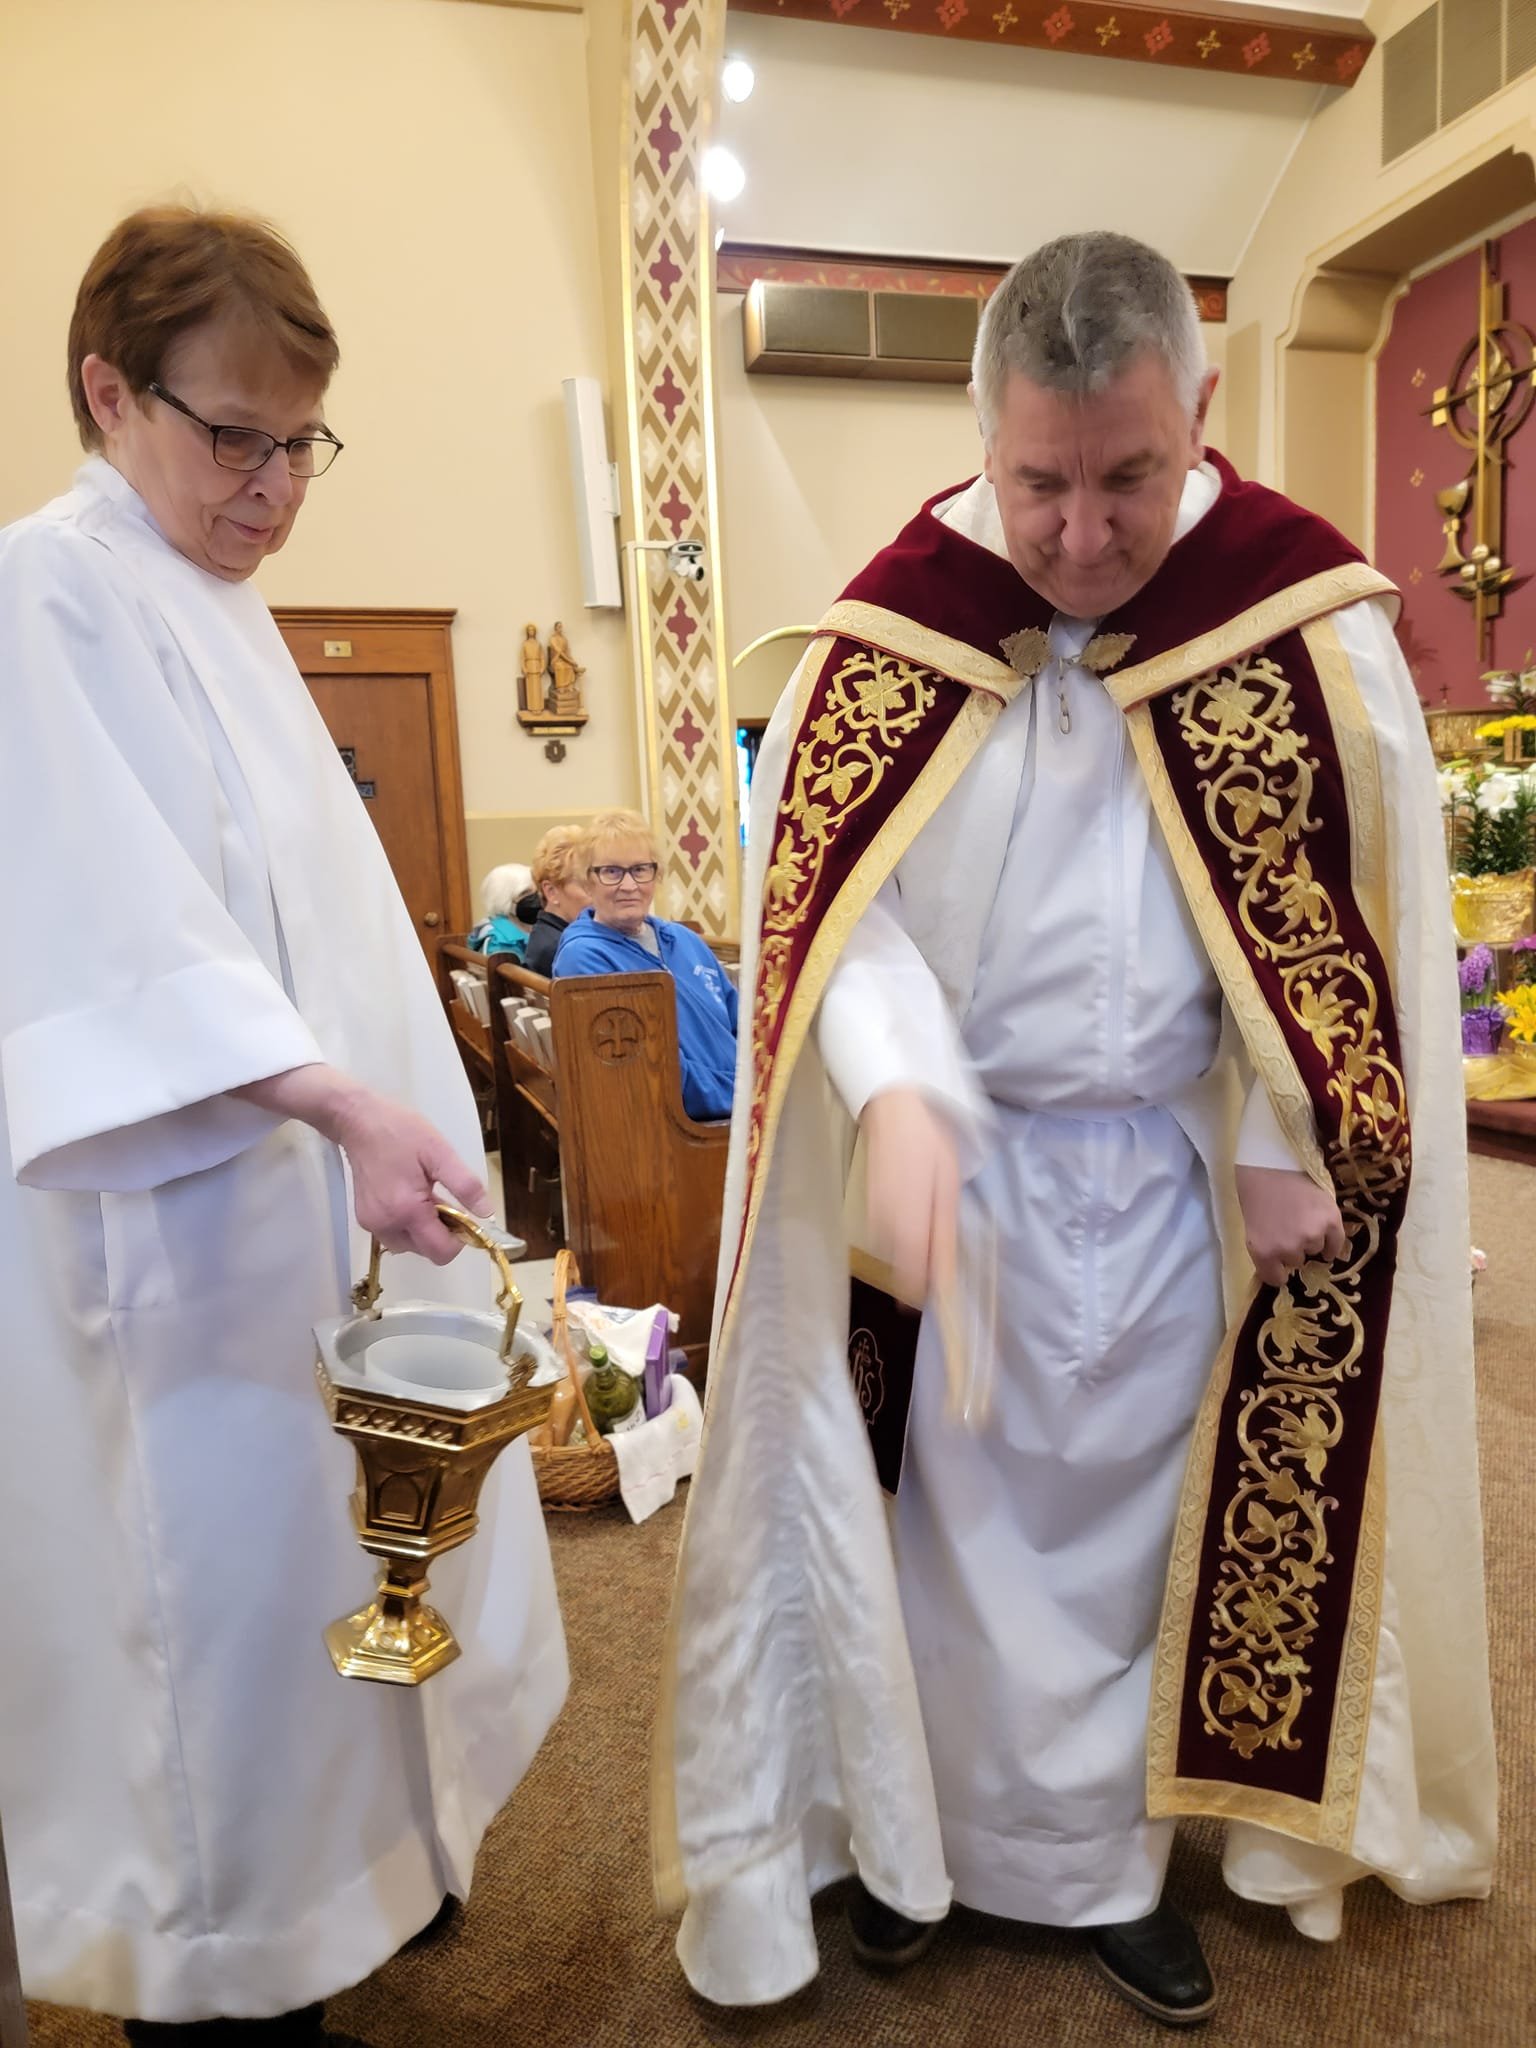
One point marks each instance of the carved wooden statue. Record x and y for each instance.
(532, 689)
(567, 674)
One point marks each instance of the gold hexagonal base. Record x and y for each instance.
(392, 1648)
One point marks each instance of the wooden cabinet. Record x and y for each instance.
(383, 683)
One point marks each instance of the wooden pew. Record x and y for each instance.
(644, 1183)
(527, 1116)
(474, 1038)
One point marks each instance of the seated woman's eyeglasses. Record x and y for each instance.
(248, 448)
(611, 874)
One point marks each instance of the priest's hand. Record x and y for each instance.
(1287, 1219)
(397, 1158)
(913, 1190)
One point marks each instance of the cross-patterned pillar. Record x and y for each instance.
(690, 754)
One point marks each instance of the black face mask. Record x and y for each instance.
(528, 907)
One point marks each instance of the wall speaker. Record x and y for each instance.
(596, 482)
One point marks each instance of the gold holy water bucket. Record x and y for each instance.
(1492, 910)
(428, 1395)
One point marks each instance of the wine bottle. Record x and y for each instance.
(612, 1396)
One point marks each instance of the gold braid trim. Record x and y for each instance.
(1257, 785)
(876, 628)
(1355, 738)
(1260, 1029)
(839, 761)
(1283, 613)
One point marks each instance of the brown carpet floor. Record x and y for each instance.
(560, 1948)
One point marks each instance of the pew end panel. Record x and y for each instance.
(644, 1183)
(471, 1035)
(527, 1115)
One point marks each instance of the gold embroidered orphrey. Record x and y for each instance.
(1257, 778)
(1257, 781)
(873, 701)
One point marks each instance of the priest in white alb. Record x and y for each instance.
(1102, 1002)
(222, 1067)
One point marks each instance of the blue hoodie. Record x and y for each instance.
(706, 1001)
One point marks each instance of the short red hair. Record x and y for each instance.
(168, 269)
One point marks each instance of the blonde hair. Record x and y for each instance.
(610, 825)
(556, 857)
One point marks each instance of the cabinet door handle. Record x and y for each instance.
(432, 920)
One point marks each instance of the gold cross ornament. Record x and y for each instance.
(1489, 395)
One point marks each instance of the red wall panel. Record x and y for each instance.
(1431, 324)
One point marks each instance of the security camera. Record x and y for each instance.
(685, 558)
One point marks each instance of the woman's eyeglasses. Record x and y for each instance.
(248, 448)
(610, 874)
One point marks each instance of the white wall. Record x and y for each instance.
(908, 145)
(432, 164)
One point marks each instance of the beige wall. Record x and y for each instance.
(1333, 192)
(916, 146)
(816, 474)
(433, 164)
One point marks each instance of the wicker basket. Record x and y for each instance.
(574, 1476)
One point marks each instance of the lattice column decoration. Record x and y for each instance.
(670, 89)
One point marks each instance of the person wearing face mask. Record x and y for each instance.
(1096, 911)
(616, 934)
(208, 1830)
(508, 899)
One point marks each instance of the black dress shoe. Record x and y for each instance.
(882, 1937)
(1156, 1963)
(304, 2029)
(444, 1921)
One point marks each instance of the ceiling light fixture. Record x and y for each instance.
(724, 178)
(737, 79)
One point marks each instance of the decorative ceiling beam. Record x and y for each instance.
(1253, 42)
(738, 266)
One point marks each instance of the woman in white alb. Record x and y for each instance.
(206, 1112)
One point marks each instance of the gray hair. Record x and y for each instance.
(1072, 316)
(504, 887)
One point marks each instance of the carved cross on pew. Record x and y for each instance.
(1488, 397)
(616, 1036)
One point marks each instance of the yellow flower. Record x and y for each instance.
(1519, 1005)
(1524, 721)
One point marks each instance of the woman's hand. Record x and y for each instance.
(912, 1174)
(1287, 1219)
(397, 1158)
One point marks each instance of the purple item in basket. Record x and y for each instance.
(656, 1389)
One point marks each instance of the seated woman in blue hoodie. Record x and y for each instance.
(617, 935)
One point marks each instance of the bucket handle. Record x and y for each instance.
(365, 1294)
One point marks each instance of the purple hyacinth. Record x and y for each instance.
(1481, 1031)
(1525, 945)
(1476, 971)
